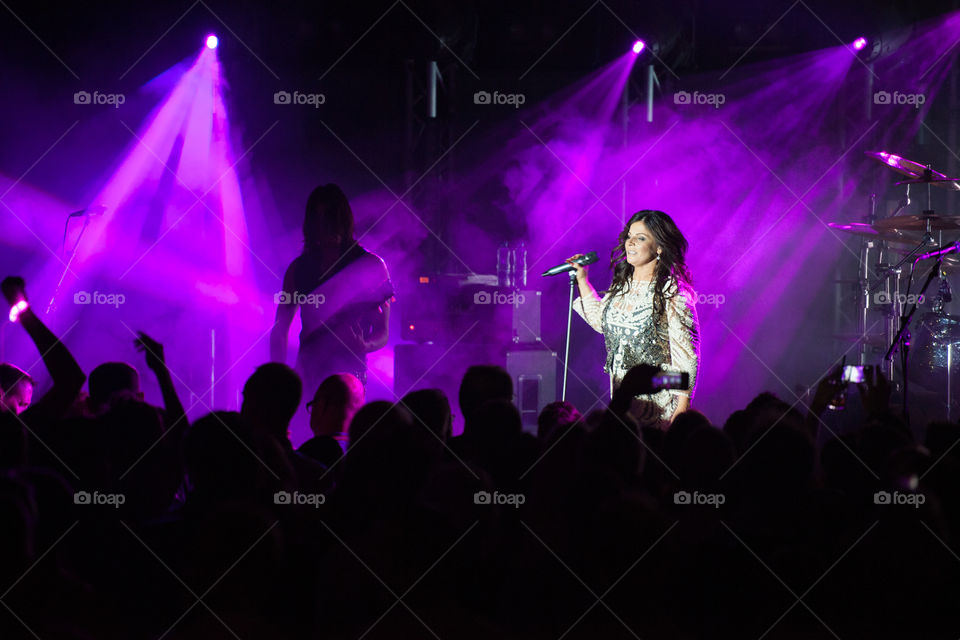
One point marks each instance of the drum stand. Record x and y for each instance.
(944, 296)
(949, 381)
(896, 228)
(864, 280)
(892, 273)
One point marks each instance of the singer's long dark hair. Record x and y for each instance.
(328, 219)
(670, 269)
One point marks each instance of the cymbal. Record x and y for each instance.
(856, 228)
(950, 263)
(947, 183)
(870, 231)
(919, 223)
(918, 173)
(901, 165)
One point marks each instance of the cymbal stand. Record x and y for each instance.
(866, 245)
(888, 274)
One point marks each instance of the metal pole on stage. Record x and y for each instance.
(625, 120)
(433, 74)
(213, 362)
(949, 378)
(866, 247)
(651, 79)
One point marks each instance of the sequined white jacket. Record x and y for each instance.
(631, 336)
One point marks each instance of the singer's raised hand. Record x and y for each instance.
(579, 268)
(14, 289)
(875, 391)
(152, 349)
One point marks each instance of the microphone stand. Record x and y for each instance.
(566, 350)
(589, 258)
(73, 253)
(903, 337)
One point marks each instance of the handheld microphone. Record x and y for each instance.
(583, 260)
(96, 210)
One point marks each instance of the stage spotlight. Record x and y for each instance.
(638, 46)
(881, 45)
(212, 41)
(859, 43)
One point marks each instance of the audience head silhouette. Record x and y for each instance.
(271, 397)
(335, 403)
(431, 409)
(112, 379)
(480, 384)
(16, 389)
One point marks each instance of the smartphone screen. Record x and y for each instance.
(670, 380)
(852, 373)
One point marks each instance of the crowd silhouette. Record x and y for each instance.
(124, 520)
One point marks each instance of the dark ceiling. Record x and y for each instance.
(296, 38)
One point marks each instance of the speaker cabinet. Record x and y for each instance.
(534, 374)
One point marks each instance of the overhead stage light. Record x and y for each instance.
(212, 41)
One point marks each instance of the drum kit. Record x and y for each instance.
(893, 250)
